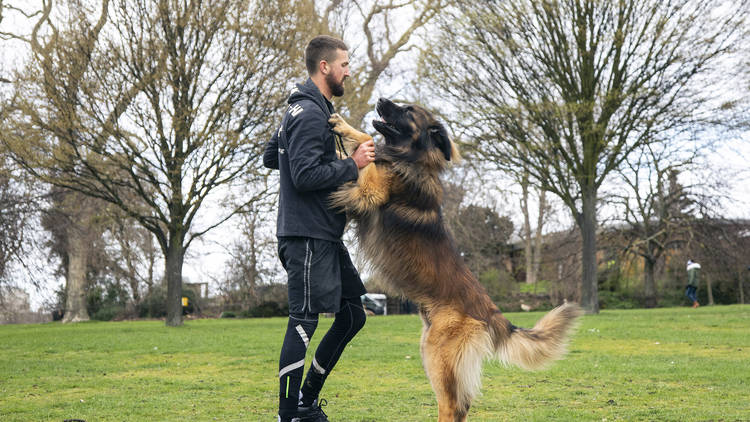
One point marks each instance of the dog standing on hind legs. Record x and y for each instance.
(396, 203)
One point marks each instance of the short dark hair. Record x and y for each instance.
(322, 47)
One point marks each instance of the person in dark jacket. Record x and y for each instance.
(320, 273)
(693, 271)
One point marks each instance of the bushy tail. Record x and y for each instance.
(539, 346)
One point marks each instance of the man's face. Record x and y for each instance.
(338, 71)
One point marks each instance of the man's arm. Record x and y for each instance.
(306, 135)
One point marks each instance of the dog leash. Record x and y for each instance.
(340, 144)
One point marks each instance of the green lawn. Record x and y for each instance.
(665, 364)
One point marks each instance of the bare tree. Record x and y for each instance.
(657, 209)
(155, 107)
(17, 207)
(532, 242)
(15, 17)
(134, 255)
(251, 257)
(568, 89)
(75, 224)
(720, 245)
(480, 233)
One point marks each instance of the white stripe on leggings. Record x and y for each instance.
(303, 334)
(319, 369)
(291, 367)
(306, 277)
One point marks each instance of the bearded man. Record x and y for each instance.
(320, 273)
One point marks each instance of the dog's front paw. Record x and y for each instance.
(367, 194)
(339, 124)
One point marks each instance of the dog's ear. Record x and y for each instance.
(439, 136)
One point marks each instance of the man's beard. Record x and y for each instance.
(337, 88)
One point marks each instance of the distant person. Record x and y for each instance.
(693, 272)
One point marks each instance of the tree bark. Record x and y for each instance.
(587, 224)
(175, 256)
(538, 237)
(528, 251)
(75, 283)
(709, 290)
(649, 283)
(532, 245)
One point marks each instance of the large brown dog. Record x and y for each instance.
(397, 206)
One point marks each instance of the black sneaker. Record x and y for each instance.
(314, 413)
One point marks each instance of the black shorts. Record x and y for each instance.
(319, 274)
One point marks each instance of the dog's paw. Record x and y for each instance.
(366, 195)
(340, 126)
(338, 123)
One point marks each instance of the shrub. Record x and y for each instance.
(617, 300)
(106, 301)
(266, 309)
(108, 313)
(154, 305)
(498, 283)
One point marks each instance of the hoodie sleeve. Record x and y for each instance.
(271, 153)
(306, 134)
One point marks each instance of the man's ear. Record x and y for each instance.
(439, 136)
(323, 67)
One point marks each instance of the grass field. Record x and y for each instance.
(676, 364)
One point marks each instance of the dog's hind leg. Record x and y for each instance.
(452, 361)
(438, 365)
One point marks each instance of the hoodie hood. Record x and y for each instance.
(310, 91)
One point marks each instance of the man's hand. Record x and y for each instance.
(364, 154)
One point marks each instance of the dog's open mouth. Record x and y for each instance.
(382, 125)
(387, 129)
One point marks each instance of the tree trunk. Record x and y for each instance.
(528, 251)
(587, 224)
(741, 287)
(709, 290)
(538, 237)
(174, 258)
(75, 283)
(649, 283)
(252, 276)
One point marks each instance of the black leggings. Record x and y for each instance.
(300, 329)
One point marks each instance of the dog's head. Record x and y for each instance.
(413, 131)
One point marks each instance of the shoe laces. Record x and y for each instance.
(321, 403)
(314, 413)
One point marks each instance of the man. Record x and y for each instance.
(321, 276)
(693, 271)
